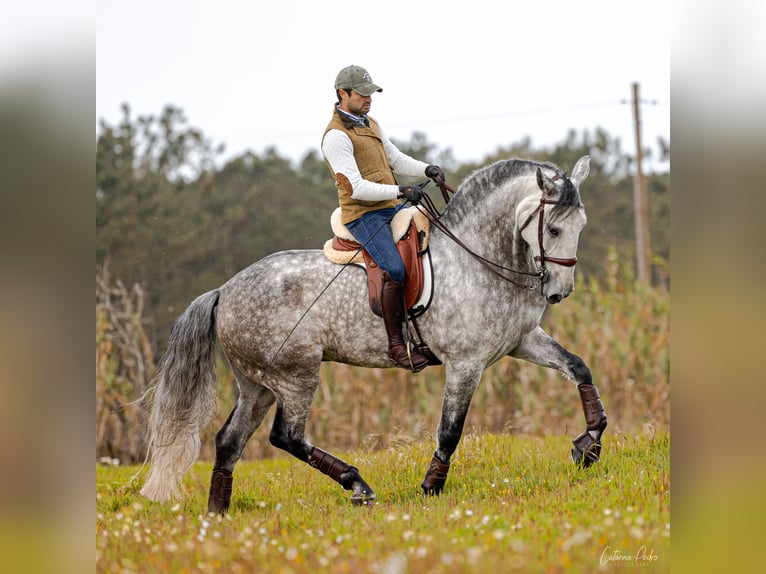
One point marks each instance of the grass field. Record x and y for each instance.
(511, 504)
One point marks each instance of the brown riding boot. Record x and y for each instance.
(392, 302)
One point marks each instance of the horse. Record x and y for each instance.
(280, 318)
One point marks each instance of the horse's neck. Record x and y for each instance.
(489, 220)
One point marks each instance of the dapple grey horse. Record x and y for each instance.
(504, 249)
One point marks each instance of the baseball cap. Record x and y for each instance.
(357, 79)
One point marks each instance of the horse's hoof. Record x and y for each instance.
(427, 492)
(436, 477)
(583, 459)
(220, 491)
(363, 498)
(586, 451)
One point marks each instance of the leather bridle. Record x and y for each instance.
(429, 209)
(566, 262)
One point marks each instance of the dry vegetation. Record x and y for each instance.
(124, 367)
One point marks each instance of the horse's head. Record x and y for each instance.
(550, 223)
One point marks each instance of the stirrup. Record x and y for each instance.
(413, 366)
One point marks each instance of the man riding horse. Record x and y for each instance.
(363, 162)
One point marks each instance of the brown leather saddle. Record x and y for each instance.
(410, 228)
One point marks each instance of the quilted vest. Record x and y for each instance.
(373, 166)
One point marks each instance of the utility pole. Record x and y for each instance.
(640, 208)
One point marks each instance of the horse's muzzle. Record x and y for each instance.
(559, 297)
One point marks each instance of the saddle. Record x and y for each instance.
(410, 230)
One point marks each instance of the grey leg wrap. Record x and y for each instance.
(220, 491)
(436, 476)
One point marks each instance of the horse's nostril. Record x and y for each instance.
(553, 299)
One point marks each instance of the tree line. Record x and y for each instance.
(174, 220)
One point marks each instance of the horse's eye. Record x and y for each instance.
(553, 231)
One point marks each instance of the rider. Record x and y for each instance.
(363, 162)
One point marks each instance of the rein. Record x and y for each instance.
(430, 211)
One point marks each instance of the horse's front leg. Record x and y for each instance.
(539, 348)
(462, 381)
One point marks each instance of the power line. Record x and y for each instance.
(515, 113)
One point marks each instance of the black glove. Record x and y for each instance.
(411, 193)
(435, 173)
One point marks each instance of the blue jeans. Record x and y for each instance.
(373, 231)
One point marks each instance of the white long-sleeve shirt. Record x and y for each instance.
(339, 153)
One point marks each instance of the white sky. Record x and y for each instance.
(473, 75)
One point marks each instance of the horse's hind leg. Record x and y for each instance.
(252, 405)
(538, 347)
(288, 433)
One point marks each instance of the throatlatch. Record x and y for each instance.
(588, 445)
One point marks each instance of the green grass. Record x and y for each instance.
(511, 504)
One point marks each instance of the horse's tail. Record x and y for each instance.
(184, 398)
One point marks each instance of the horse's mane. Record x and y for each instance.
(495, 174)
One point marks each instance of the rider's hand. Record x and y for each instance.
(411, 193)
(435, 173)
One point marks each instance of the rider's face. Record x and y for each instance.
(356, 103)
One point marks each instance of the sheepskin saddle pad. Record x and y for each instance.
(343, 245)
(410, 229)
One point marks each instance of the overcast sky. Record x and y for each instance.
(472, 75)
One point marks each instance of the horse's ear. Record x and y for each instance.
(581, 170)
(544, 182)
